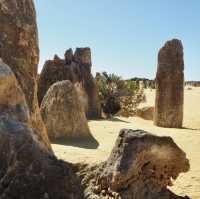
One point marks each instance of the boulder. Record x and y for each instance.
(63, 113)
(146, 113)
(76, 68)
(19, 49)
(141, 166)
(28, 171)
(170, 85)
(12, 99)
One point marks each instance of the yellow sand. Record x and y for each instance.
(106, 132)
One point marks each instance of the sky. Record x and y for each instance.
(124, 35)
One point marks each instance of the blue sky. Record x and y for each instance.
(124, 35)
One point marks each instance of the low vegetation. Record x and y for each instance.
(118, 95)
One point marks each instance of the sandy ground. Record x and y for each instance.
(106, 132)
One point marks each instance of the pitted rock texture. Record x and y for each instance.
(12, 99)
(27, 171)
(141, 166)
(170, 85)
(19, 49)
(63, 113)
(76, 68)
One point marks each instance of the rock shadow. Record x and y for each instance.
(192, 129)
(86, 143)
(114, 119)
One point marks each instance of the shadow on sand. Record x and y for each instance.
(192, 129)
(86, 143)
(114, 119)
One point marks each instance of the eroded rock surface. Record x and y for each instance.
(27, 171)
(170, 85)
(19, 49)
(12, 99)
(63, 113)
(141, 166)
(76, 67)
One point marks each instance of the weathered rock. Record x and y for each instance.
(69, 56)
(82, 95)
(140, 166)
(28, 171)
(76, 68)
(170, 85)
(83, 57)
(63, 113)
(146, 113)
(19, 49)
(12, 100)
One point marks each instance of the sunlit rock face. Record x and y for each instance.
(141, 166)
(19, 49)
(12, 99)
(76, 67)
(63, 113)
(170, 85)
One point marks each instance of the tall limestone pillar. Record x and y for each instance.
(19, 49)
(170, 86)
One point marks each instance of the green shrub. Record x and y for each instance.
(117, 94)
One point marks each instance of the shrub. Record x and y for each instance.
(117, 94)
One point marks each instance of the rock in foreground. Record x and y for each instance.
(19, 49)
(63, 113)
(28, 171)
(141, 166)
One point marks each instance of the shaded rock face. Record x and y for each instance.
(19, 49)
(27, 171)
(141, 166)
(63, 113)
(146, 113)
(76, 68)
(170, 85)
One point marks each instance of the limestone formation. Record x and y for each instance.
(83, 57)
(146, 113)
(170, 85)
(63, 113)
(76, 68)
(12, 100)
(19, 49)
(27, 170)
(141, 166)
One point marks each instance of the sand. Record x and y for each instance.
(106, 132)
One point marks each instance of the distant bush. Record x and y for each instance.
(117, 94)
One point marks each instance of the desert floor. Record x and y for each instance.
(105, 132)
